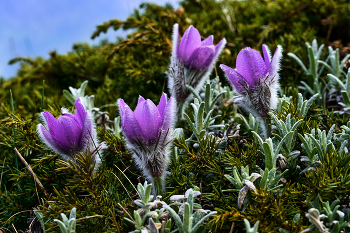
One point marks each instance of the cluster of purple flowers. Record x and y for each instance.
(148, 130)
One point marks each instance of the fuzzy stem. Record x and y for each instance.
(180, 110)
(158, 185)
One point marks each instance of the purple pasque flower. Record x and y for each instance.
(71, 134)
(256, 80)
(191, 62)
(148, 131)
(195, 53)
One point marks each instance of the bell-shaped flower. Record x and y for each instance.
(191, 62)
(149, 131)
(255, 80)
(71, 134)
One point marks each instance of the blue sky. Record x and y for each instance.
(32, 28)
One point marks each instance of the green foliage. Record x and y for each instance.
(251, 124)
(271, 150)
(203, 111)
(245, 182)
(278, 182)
(273, 211)
(337, 220)
(146, 204)
(94, 195)
(330, 178)
(336, 66)
(313, 85)
(284, 129)
(345, 91)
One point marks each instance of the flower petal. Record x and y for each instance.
(80, 113)
(275, 62)
(131, 127)
(141, 99)
(267, 56)
(88, 134)
(122, 105)
(208, 41)
(149, 119)
(175, 41)
(162, 104)
(169, 115)
(50, 122)
(49, 140)
(139, 104)
(251, 66)
(235, 78)
(219, 47)
(201, 58)
(68, 132)
(189, 42)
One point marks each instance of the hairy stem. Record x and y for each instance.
(180, 110)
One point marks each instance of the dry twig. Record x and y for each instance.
(33, 174)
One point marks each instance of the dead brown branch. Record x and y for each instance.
(33, 174)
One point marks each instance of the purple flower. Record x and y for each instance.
(191, 61)
(70, 134)
(195, 53)
(256, 80)
(148, 131)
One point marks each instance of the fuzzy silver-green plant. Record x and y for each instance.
(284, 128)
(145, 214)
(74, 94)
(252, 124)
(269, 150)
(41, 218)
(68, 225)
(304, 105)
(249, 229)
(190, 216)
(316, 148)
(336, 67)
(344, 136)
(314, 53)
(323, 143)
(246, 182)
(345, 89)
(311, 159)
(203, 111)
(283, 101)
(314, 217)
(200, 122)
(331, 219)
